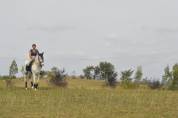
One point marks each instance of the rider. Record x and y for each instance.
(32, 55)
(33, 52)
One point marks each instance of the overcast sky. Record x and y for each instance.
(76, 33)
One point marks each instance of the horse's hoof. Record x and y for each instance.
(35, 89)
(26, 88)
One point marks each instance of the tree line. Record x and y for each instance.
(106, 71)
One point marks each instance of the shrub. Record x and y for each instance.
(57, 77)
(138, 74)
(154, 84)
(106, 70)
(129, 84)
(111, 80)
(82, 77)
(174, 80)
(7, 77)
(73, 77)
(126, 80)
(13, 69)
(9, 83)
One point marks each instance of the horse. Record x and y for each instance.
(33, 71)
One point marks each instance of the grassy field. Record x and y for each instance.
(86, 99)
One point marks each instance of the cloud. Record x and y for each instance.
(57, 28)
(167, 30)
(160, 29)
(120, 42)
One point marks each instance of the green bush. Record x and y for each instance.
(7, 77)
(57, 77)
(129, 85)
(154, 84)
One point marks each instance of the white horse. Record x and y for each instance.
(33, 70)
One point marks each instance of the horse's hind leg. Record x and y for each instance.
(26, 85)
(25, 79)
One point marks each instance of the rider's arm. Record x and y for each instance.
(30, 56)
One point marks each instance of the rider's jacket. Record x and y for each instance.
(34, 52)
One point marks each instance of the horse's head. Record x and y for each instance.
(41, 57)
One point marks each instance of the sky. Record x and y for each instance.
(77, 33)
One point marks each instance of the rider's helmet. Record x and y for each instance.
(33, 45)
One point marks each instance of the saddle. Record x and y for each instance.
(29, 67)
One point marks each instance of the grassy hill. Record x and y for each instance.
(85, 99)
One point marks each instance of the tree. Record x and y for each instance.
(13, 70)
(175, 77)
(108, 73)
(97, 72)
(167, 77)
(88, 72)
(106, 69)
(138, 74)
(112, 78)
(126, 78)
(126, 75)
(23, 70)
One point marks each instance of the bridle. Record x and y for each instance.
(40, 59)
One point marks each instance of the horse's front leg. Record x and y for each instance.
(38, 79)
(32, 85)
(25, 80)
(34, 81)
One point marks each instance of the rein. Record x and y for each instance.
(40, 61)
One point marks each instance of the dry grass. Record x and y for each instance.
(86, 99)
